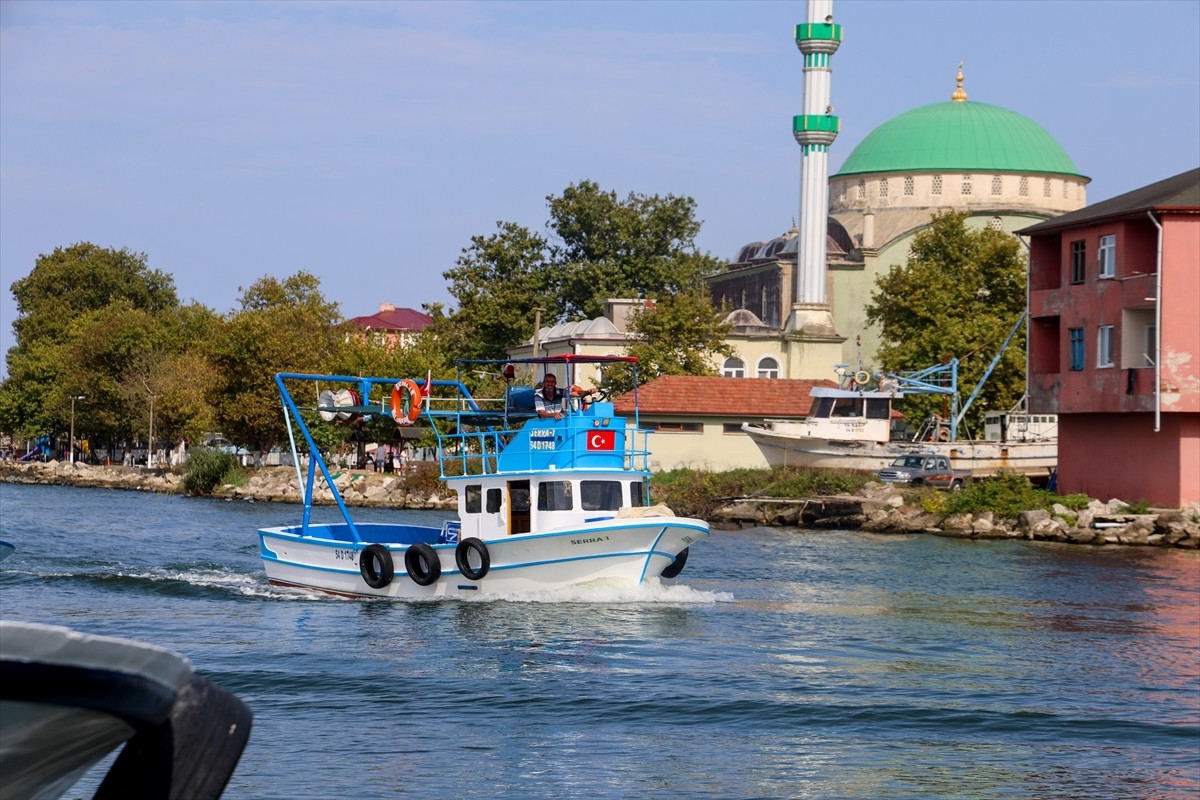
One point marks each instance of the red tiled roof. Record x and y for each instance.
(400, 319)
(703, 395)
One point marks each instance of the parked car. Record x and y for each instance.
(924, 469)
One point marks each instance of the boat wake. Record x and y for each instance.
(609, 592)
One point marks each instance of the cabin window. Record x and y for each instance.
(878, 409)
(822, 406)
(847, 407)
(474, 495)
(637, 494)
(600, 495)
(494, 497)
(554, 496)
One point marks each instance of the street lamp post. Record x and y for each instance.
(72, 444)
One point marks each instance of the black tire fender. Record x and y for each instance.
(462, 554)
(422, 564)
(676, 566)
(372, 553)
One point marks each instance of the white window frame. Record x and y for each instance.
(1149, 340)
(1105, 336)
(1107, 256)
(733, 368)
(760, 369)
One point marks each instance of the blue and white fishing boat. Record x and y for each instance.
(543, 503)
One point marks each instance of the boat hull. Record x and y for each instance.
(982, 458)
(631, 550)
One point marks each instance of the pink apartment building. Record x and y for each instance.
(1114, 342)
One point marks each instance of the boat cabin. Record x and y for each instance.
(547, 473)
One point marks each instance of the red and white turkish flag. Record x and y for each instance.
(602, 440)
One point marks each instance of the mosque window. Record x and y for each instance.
(1064, 190)
(862, 190)
(996, 185)
(909, 186)
(734, 368)
(842, 193)
(966, 185)
(883, 187)
(937, 184)
(1046, 188)
(1024, 190)
(996, 224)
(768, 368)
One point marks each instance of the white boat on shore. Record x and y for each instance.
(543, 503)
(851, 427)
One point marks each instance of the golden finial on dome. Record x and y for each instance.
(959, 95)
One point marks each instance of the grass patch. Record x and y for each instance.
(208, 468)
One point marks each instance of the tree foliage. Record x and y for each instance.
(642, 246)
(679, 335)
(958, 296)
(283, 326)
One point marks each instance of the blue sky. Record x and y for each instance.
(366, 142)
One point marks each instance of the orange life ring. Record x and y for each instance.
(406, 389)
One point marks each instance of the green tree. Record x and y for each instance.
(282, 326)
(498, 281)
(602, 247)
(82, 312)
(680, 335)
(958, 295)
(642, 246)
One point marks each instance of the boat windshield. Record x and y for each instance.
(871, 408)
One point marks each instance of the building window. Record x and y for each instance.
(732, 427)
(883, 187)
(1149, 345)
(1078, 261)
(842, 193)
(1065, 187)
(1076, 348)
(996, 224)
(966, 185)
(1046, 188)
(909, 186)
(1024, 188)
(1104, 346)
(937, 184)
(768, 368)
(997, 184)
(734, 368)
(862, 190)
(674, 427)
(1108, 256)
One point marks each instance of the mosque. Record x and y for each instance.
(798, 299)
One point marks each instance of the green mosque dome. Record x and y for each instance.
(959, 136)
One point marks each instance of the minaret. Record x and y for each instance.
(815, 130)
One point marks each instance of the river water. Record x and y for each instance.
(780, 664)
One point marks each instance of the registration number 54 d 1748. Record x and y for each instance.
(343, 555)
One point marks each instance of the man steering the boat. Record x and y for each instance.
(550, 402)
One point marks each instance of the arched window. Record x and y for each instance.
(768, 368)
(734, 368)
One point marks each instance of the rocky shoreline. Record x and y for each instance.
(877, 508)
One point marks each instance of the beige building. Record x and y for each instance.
(1001, 168)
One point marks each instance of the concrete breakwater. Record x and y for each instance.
(878, 508)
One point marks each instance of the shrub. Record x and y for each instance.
(1140, 507)
(1006, 494)
(207, 469)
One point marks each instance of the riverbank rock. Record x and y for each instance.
(269, 484)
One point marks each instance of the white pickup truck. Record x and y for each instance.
(924, 469)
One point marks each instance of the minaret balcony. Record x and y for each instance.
(818, 37)
(815, 128)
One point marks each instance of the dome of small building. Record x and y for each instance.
(959, 136)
